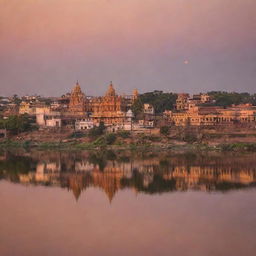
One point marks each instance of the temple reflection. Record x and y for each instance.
(111, 173)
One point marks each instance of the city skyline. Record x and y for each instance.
(177, 46)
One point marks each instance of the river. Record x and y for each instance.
(106, 203)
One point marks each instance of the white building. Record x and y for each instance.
(83, 124)
(47, 118)
(148, 109)
(146, 123)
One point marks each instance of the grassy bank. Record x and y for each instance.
(104, 143)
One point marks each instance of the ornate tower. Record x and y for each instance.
(111, 91)
(77, 104)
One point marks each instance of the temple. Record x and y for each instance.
(110, 108)
(77, 104)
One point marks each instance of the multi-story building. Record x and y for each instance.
(207, 116)
(83, 124)
(45, 117)
(184, 102)
(27, 108)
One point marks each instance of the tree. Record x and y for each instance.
(226, 99)
(159, 100)
(16, 124)
(137, 107)
(253, 99)
(2, 124)
(97, 131)
(102, 127)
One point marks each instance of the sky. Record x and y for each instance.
(170, 45)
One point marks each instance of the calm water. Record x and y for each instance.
(57, 203)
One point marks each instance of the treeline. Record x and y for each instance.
(160, 100)
(17, 123)
(226, 99)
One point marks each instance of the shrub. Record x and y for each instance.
(16, 124)
(124, 134)
(249, 147)
(97, 130)
(77, 135)
(165, 130)
(154, 138)
(99, 141)
(26, 144)
(190, 138)
(110, 138)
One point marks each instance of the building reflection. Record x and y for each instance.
(78, 172)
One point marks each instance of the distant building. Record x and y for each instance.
(184, 102)
(11, 109)
(148, 109)
(27, 108)
(4, 101)
(84, 124)
(45, 117)
(210, 116)
(146, 123)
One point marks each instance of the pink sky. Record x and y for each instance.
(173, 45)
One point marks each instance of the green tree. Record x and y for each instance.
(16, 124)
(226, 99)
(159, 100)
(137, 107)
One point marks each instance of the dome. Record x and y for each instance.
(111, 91)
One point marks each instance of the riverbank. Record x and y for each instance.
(177, 140)
(100, 144)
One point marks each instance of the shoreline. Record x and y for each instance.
(77, 145)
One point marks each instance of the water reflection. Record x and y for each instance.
(78, 171)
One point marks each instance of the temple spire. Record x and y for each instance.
(111, 90)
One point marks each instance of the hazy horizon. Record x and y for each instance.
(175, 46)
